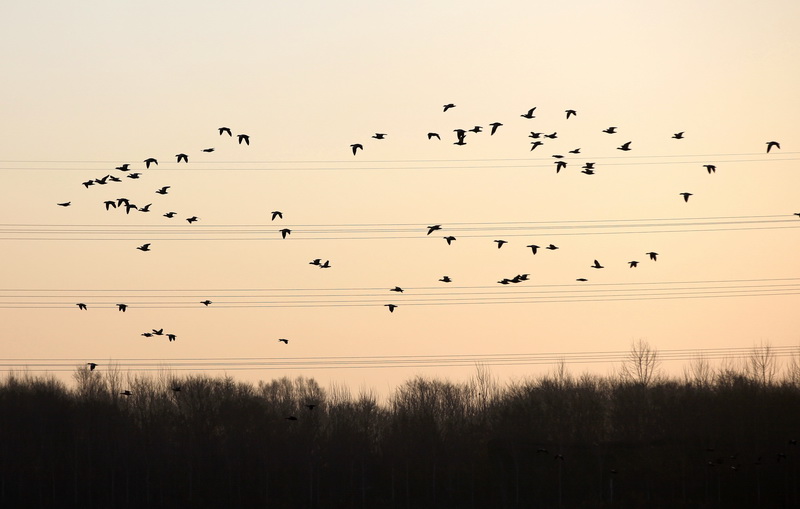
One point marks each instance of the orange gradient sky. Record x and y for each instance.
(90, 85)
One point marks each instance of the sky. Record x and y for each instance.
(90, 85)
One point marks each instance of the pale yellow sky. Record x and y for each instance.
(92, 85)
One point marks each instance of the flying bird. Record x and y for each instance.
(326, 265)
(277, 213)
(81, 305)
(144, 247)
(433, 228)
(560, 165)
(710, 167)
(316, 261)
(110, 203)
(504, 281)
(535, 135)
(625, 146)
(284, 232)
(176, 388)
(146, 208)
(500, 243)
(158, 332)
(610, 130)
(91, 365)
(529, 114)
(587, 171)
(446, 279)
(210, 149)
(652, 255)
(596, 265)
(448, 106)
(391, 307)
(124, 167)
(379, 136)
(633, 264)
(356, 146)
(65, 204)
(126, 393)
(535, 144)
(87, 183)
(223, 130)
(552, 135)
(494, 125)
(170, 215)
(171, 337)
(678, 136)
(244, 138)
(588, 166)
(102, 181)
(129, 206)
(396, 289)
(122, 307)
(582, 279)
(163, 190)
(434, 135)
(192, 219)
(112, 178)
(284, 341)
(205, 302)
(449, 239)
(575, 151)
(150, 160)
(771, 144)
(552, 247)
(477, 129)
(133, 175)
(570, 113)
(311, 407)
(182, 156)
(533, 247)
(685, 196)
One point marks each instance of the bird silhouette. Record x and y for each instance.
(126, 393)
(557, 156)
(535, 135)
(379, 136)
(652, 255)
(176, 388)
(460, 134)
(588, 166)
(209, 150)
(129, 206)
(184, 157)
(87, 183)
(529, 114)
(284, 232)
(685, 196)
(170, 215)
(326, 265)
(284, 341)
(112, 178)
(124, 167)
(149, 161)
(110, 203)
(560, 165)
(552, 135)
(147, 334)
(434, 135)
(192, 219)
(102, 181)
(122, 307)
(710, 167)
(570, 113)
(494, 125)
(500, 243)
(446, 279)
(64, 204)
(596, 265)
(678, 136)
(448, 106)
(396, 289)
(311, 406)
(449, 239)
(575, 151)
(133, 175)
(223, 130)
(582, 279)
(121, 201)
(244, 138)
(610, 130)
(205, 302)
(144, 247)
(633, 264)
(163, 190)
(587, 171)
(504, 281)
(81, 305)
(316, 261)
(171, 337)
(552, 247)
(771, 144)
(477, 129)
(533, 247)
(356, 146)
(146, 208)
(277, 213)
(91, 365)
(535, 144)
(391, 307)
(433, 228)
(625, 146)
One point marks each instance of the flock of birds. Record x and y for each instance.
(588, 168)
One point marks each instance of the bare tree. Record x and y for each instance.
(642, 363)
(762, 365)
(699, 371)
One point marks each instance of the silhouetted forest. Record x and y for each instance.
(718, 437)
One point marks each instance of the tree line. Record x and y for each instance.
(716, 437)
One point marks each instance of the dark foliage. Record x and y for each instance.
(558, 441)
